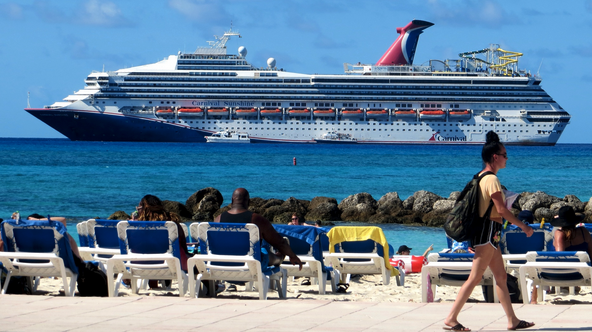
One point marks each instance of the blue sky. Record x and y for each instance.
(48, 47)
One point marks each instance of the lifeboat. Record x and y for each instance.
(432, 115)
(459, 114)
(188, 112)
(271, 112)
(400, 114)
(376, 114)
(242, 112)
(351, 113)
(218, 111)
(302, 112)
(324, 113)
(165, 112)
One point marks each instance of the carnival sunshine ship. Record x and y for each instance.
(191, 95)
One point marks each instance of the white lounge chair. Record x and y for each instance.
(149, 250)
(514, 244)
(305, 242)
(361, 250)
(103, 241)
(231, 251)
(450, 270)
(555, 268)
(38, 248)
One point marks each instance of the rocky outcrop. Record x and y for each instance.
(358, 207)
(424, 201)
(177, 208)
(204, 203)
(323, 209)
(537, 200)
(119, 215)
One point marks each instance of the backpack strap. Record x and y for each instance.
(488, 211)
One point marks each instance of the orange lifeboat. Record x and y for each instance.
(374, 114)
(432, 115)
(185, 112)
(301, 112)
(165, 111)
(271, 112)
(459, 114)
(324, 113)
(218, 111)
(246, 112)
(405, 113)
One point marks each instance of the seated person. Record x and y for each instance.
(297, 220)
(405, 250)
(239, 213)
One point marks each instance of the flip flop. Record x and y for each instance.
(342, 288)
(457, 327)
(521, 325)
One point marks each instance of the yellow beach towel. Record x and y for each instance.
(362, 233)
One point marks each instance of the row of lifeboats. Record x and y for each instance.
(424, 114)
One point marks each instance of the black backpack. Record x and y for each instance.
(461, 221)
(91, 281)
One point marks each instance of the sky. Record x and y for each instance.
(48, 47)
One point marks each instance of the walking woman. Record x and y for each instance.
(486, 239)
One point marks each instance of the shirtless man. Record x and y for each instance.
(239, 213)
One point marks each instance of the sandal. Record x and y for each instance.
(457, 327)
(342, 288)
(521, 325)
(305, 282)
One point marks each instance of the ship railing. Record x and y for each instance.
(366, 69)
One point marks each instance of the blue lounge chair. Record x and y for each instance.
(305, 241)
(450, 270)
(232, 251)
(514, 244)
(38, 248)
(149, 250)
(361, 250)
(103, 241)
(555, 268)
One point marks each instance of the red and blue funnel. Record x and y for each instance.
(402, 50)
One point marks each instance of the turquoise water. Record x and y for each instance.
(82, 180)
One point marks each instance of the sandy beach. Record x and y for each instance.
(361, 289)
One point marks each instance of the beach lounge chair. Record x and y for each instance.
(555, 268)
(451, 270)
(361, 250)
(305, 242)
(103, 240)
(149, 250)
(514, 244)
(38, 248)
(232, 251)
(82, 234)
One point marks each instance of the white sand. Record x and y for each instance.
(365, 288)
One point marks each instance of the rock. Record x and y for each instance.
(222, 210)
(390, 204)
(273, 211)
(544, 212)
(177, 208)
(271, 202)
(408, 203)
(556, 206)
(119, 215)
(454, 195)
(293, 205)
(443, 206)
(574, 201)
(324, 209)
(537, 200)
(380, 218)
(588, 208)
(282, 218)
(193, 202)
(424, 201)
(256, 205)
(358, 207)
(435, 218)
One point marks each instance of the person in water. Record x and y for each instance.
(239, 213)
(487, 237)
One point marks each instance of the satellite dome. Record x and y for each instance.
(271, 63)
(242, 51)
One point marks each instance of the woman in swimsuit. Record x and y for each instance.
(568, 237)
(486, 239)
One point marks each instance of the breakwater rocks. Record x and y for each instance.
(422, 208)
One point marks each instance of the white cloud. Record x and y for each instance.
(11, 11)
(101, 13)
(200, 10)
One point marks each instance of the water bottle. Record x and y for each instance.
(17, 216)
(542, 222)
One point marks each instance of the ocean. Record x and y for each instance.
(82, 180)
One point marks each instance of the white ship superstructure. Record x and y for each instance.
(191, 95)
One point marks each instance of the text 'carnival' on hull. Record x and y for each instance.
(189, 96)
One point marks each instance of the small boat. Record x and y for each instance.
(352, 113)
(432, 115)
(241, 112)
(324, 113)
(187, 112)
(299, 112)
(336, 138)
(459, 114)
(165, 112)
(228, 137)
(218, 111)
(400, 114)
(271, 112)
(376, 114)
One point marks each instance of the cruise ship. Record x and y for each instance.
(189, 96)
